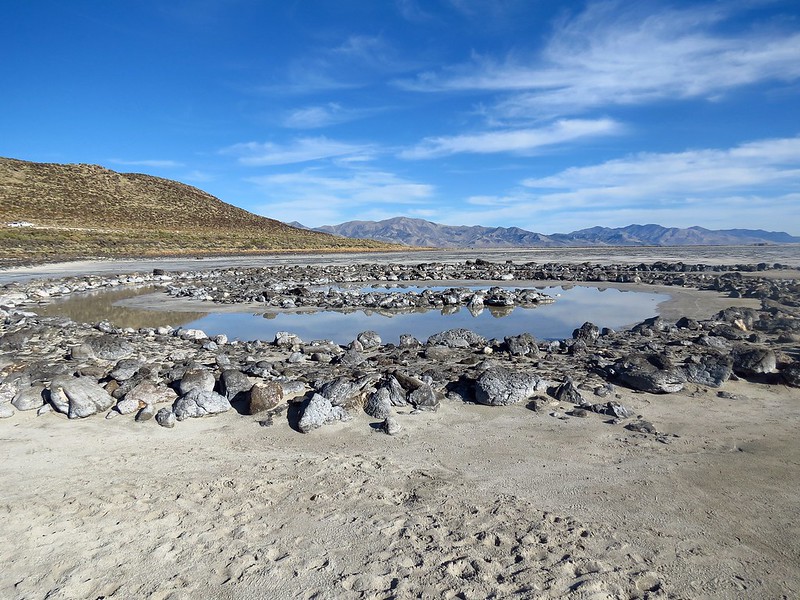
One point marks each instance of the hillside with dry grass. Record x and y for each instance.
(82, 211)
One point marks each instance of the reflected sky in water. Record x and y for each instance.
(603, 307)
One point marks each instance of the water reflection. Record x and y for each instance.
(609, 308)
(99, 305)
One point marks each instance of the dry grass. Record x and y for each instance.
(83, 211)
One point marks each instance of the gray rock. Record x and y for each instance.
(199, 403)
(320, 411)
(522, 345)
(79, 397)
(753, 361)
(235, 384)
(457, 338)
(104, 347)
(397, 395)
(443, 354)
(265, 395)
(166, 418)
(352, 358)
(369, 339)
(29, 398)
(652, 373)
(499, 386)
(284, 339)
(125, 369)
(615, 409)
(711, 369)
(199, 379)
(391, 426)
(587, 333)
(6, 411)
(409, 341)
(343, 391)
(378, 404)
(424, 398)
(146, 413)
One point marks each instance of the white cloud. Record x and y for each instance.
(312, 117)
(522, 141)
(315, 198)
(755, 185)
(300, 150)
(615, 54)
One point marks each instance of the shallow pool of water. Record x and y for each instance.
(603, 307)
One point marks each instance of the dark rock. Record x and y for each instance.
(522, 345)
(104, 347)
(587, 333)
(687, 323)
(409, 341)
(567, 392)
(652, 373)
(235, 384)
(344, 391)
(642, 426)
(749, 361)
(710, 369)
(791, 374)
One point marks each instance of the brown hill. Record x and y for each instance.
(76, 211)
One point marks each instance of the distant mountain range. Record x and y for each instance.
(419, 232)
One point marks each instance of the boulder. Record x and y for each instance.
(199, 403)
(378, 404)
(104, 347)
(235, 384)
(749, 361)
(6, 410)
(284, 339)
(499, 386)
(567, 392)
(457, 338)
(652, 373)
(320, 411)
(265, 395)
(149, 393)
(424, 398)
(791, 374)
(166, 418)
(199, 379)
(125, 369)
(79, 397)
(369, 339)
(391, 426)
(343, 391)
(409, 341)
(710, 369)
(29, 398)
(522, 345)
(586, 333)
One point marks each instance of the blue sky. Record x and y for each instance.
(550, 116)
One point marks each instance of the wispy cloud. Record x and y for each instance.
(159, 164)
(318, 198)
(323, 115)
(614, 53)
(300, 150)
(520, 141)
(756, 183)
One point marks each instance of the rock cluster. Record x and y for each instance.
(168, 375)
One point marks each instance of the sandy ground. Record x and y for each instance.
(468, 502)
